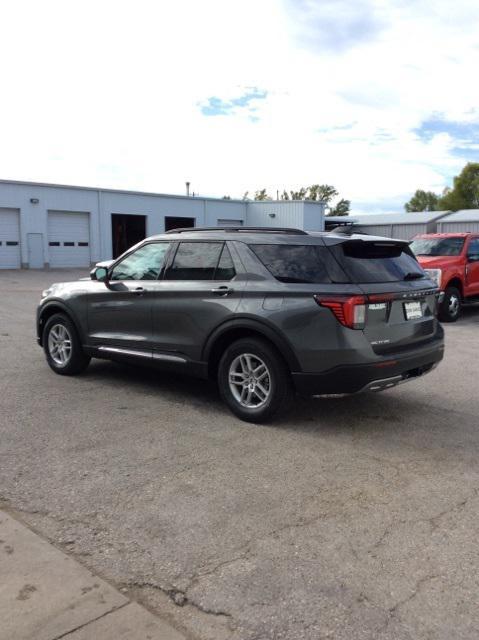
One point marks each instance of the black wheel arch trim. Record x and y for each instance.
(456, 282)
(61, 307)
(258, 326)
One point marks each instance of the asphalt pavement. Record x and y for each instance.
(350, 519)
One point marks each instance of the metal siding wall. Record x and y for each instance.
(313, 216)
(33, 217)
(101, 204)
(376, 230)
(155, 208)
(407, 231)
(286, 214)
(461, 227)
(224, 210)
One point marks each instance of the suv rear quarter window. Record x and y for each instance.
(299, 263)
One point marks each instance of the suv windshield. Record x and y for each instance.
(437, 246)
(368, 262)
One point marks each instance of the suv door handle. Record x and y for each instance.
(222, 291)
(139, 291)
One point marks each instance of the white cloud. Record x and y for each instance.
(110, 93)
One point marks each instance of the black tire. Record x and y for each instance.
(450, 309)
(279, 388)
(76, 361)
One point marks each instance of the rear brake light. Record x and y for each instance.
(350, 311)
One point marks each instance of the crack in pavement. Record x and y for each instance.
(392, 612)
(179, 597)
(431, 520)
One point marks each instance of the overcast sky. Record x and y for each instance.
(375, 97)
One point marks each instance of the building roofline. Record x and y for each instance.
(149, 193)
(417, 217)
(111, 190)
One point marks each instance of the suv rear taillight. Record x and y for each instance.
(350, 311)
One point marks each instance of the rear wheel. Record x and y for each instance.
(62, 346)
(253, 380)
(451, 305)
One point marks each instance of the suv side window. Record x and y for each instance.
(146, 263)
(473, 249)
(195, 261)
(225, 269)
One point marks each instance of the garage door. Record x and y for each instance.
(9, 239)
(69, 239)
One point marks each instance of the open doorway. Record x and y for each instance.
(178, 223)
(126, 230)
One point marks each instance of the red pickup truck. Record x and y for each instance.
(452, 261)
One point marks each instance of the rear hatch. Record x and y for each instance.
(399, 297)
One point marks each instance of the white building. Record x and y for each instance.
(403, 226)
(48, 225)
(462, 221)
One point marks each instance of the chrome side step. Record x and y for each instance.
(165, 357)
(126, 352)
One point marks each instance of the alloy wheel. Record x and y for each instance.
(249, 381)
(453, 306)
(59, 344)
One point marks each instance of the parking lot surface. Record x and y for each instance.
(351, 518)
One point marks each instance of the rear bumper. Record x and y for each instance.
(375, 376)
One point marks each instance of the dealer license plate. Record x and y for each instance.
(413, 310)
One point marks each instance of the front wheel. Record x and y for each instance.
(62, 346)
(450, 309)
(254, 380)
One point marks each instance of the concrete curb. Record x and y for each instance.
(47, 595)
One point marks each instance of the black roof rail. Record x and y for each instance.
(298, 232)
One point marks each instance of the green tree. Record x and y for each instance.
(261, 195)
(295, 195)
(423, 201)
(323, 192)
(316, 192)
(341, 209)
(465, 192)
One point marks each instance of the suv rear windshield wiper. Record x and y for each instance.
(413, 276)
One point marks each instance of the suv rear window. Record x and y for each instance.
(368, 262)
(299, 263)
(201, 261)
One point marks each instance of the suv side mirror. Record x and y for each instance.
(100, 274)
(473, 257)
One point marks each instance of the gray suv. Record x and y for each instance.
(264, 312)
